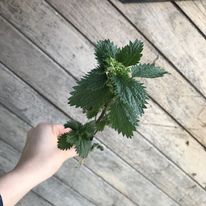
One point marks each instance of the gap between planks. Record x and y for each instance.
(54, 177)
(71, 118)
(189, 18)
(174, 66)
(156, 48)
(56, 107)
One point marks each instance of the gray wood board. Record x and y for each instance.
(53, 190)
(108, 165)
(185, 103)
(176, 100)
(181, 154)
(180, 100)
(21, 105)
(28, 68)
(30, 199)
(171, 32)
(172, 92)
(196, 12)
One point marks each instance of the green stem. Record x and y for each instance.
(102, 114)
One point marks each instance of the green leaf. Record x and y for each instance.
(62, 142)
(131, 93)
(130, 54)
(80, 137)
(147, 71)
(97, 146)
(83, 147)
(89, 129)
(72, 124)
(111, 89)
(104, 50)
(91, 112)
(101, 124)
(122, 118)
(77, 139)
(93, 80)
(91, 92)
(129, 104)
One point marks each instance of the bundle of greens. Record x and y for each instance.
(111, 94)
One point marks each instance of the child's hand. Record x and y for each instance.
(41, 153)
(40, 160)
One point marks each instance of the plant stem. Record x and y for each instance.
(102, 114)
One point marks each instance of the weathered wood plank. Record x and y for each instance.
(184, 103)
(88, 184)
(108, 165)
(14, 132)
(51, 189)
(174, 35)
(39, 82)
(181, 105)
(31, 198)
(56, 80)
(173, 150)
(67, 52)
(196, 11)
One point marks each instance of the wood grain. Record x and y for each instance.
(26, 12)
(171, 32)
(8, 159)
(107, 164)
(103, 193)
(196, 11)
(31, 199)
(185, 105)
(180, 99)
(127, 155)
(26, 72)
(6, 164)
(184, 88)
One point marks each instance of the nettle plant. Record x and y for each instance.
(110, 95)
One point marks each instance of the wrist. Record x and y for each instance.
(15, 184)
(30, 173)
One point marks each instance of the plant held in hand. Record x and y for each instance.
(111, 94)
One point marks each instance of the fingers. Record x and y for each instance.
(66, 130)
(59, 129)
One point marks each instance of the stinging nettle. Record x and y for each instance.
(110, 95)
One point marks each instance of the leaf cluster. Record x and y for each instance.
(111, 94)
(80, 137)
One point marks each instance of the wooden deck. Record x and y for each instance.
(45, 45)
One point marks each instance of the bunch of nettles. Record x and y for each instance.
(111, 94)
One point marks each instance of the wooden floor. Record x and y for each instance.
(45, 45)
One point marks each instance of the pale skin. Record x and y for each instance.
(40, 160)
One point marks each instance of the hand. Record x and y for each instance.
(41, 153)
(40, 160)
